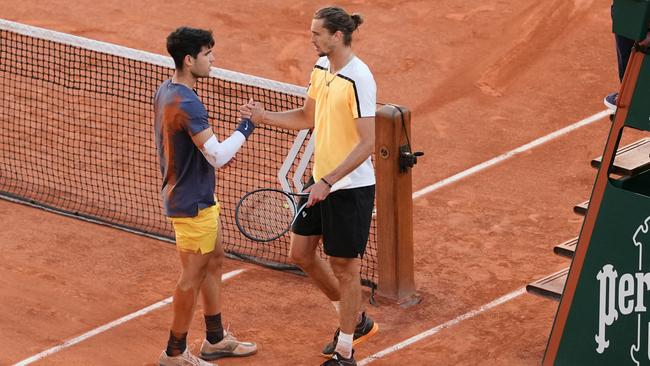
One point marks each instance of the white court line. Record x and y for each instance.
(440, 327)
(105, 327)
(510, 154)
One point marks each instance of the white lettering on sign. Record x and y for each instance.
(623, 295)
(606, 311)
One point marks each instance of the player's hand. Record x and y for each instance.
(253, 110)
(317, 192)
(259, 113)
(646, 41)
(245, 110)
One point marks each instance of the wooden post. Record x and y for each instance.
(394, 206)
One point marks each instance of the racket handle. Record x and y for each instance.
(297, 214)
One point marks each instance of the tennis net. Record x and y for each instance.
(77, 136)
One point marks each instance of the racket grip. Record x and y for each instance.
(246, 127)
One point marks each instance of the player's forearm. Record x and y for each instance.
(296, 119)
(218, 153)
(357, 156)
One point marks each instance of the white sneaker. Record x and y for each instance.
(184, 359)
(610, 101)
(229, 346)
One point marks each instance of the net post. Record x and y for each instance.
(394, 206)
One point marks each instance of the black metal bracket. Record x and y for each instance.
(407, 158)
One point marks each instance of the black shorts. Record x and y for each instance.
(343, 219)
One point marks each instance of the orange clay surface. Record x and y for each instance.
(481, 77)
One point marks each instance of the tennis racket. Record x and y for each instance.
(266, 214)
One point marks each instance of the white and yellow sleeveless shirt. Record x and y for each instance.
(340, 99)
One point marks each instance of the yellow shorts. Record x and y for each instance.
(198, 233)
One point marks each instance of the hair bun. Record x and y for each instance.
(357, 19)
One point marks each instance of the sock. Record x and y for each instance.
(337, 306)
(213, 328)
(344, 345)
(176, 344)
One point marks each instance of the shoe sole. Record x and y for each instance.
(609, 105)
(363, 338)
(218, 355)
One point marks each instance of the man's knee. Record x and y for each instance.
(192, 277)
(301, 258)
(303, 250)
(345, 269)
(193, 281)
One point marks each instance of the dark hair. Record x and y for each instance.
(187, 41)
(336, 19)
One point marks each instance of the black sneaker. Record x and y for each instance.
(338, 360)
(364, 330)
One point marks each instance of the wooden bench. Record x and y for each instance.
(630, 160)
(550, 286)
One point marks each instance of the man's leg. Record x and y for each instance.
(623, 50)
(218, 343)
(194, 267)
(347, 215)
(211, 292)
(303, 253)
(346, 271)
(195, 238)
(306, 232)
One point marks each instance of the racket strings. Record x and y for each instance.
(265, 215)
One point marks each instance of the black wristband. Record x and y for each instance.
(246, 127)
(326, 182)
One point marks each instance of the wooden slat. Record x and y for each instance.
(550, 286)
(581, 208)
(631, 159)
(566, 249)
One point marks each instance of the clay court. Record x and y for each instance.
(481, 79)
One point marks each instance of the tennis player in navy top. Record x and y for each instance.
(189, 153)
